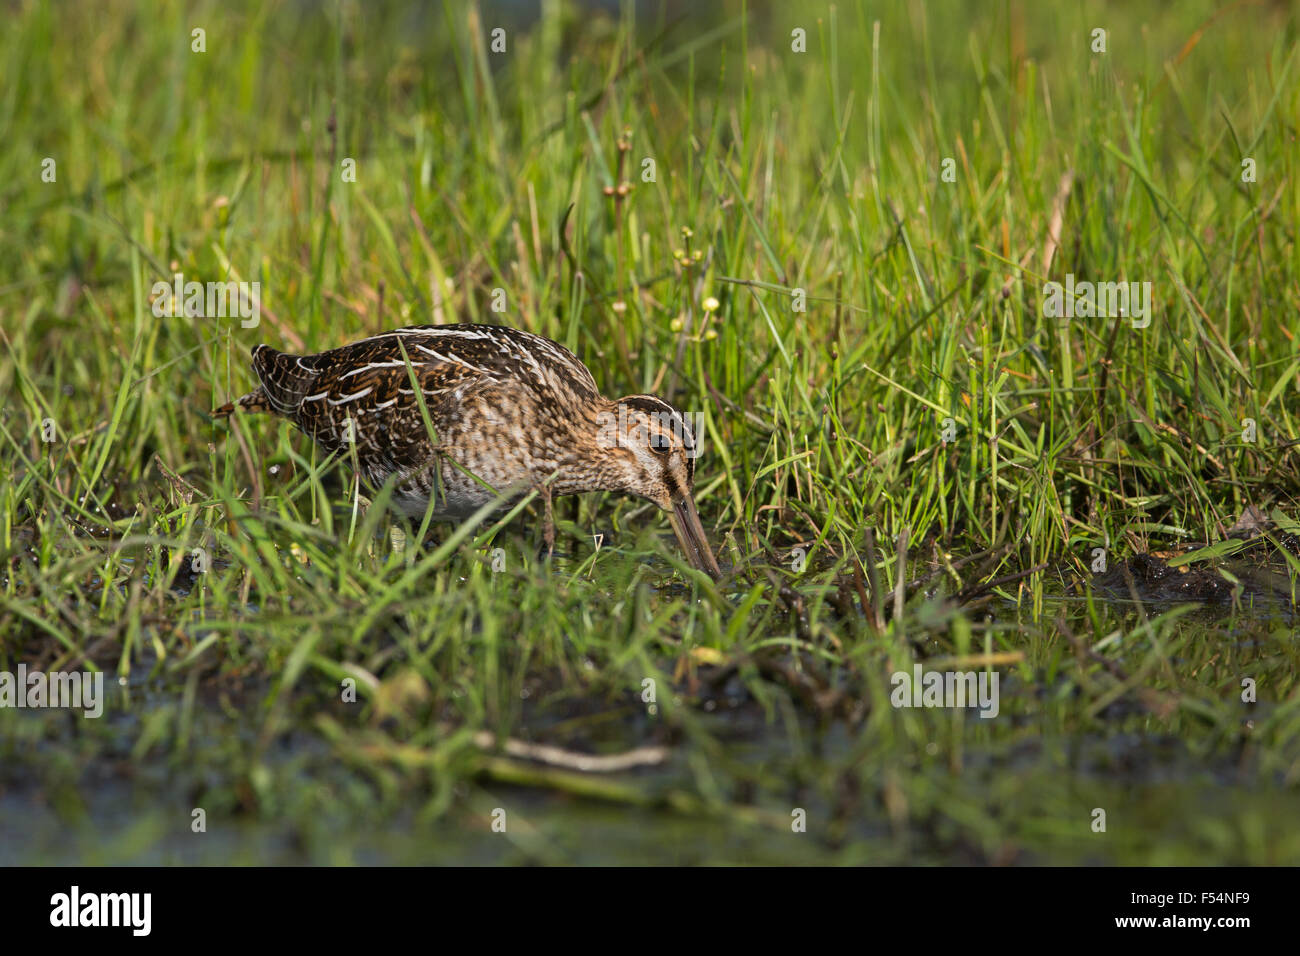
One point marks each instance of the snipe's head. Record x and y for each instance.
(653, 451)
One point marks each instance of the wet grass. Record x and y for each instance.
(915, 466)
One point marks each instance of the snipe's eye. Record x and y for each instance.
(659, 444)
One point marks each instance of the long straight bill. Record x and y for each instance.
(690, 535)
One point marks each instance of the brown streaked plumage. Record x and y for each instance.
(514, 409)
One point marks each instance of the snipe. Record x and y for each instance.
(510, 411)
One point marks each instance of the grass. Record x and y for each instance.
(884, 403)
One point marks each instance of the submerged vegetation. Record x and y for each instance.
(828, 232)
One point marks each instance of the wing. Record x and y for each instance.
(498, 350)
(363, 391)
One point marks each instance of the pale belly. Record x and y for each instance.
(458, 495)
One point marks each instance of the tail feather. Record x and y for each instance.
(254, 401)
(286, 379)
